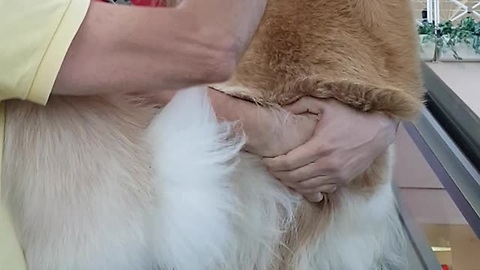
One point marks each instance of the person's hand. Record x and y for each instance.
(344, 144)
(269, 132)
(272, 133)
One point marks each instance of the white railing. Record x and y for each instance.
(441, 10)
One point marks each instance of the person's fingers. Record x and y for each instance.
(306, 105)
(290, 185)
(314, 197)
(309, 171)
(320, 183)
(315, 182)
(328, 188)
(317, 195)
(298, 157)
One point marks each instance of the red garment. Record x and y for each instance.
(149, 3)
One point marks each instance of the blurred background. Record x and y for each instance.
(438, 156)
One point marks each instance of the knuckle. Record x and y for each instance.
(320, 147)
(331, 189)
(269, 162)
(336, 167)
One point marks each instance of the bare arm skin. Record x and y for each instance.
(121, 48)
(270, 133)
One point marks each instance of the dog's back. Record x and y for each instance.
(361, 52)
(76, 176)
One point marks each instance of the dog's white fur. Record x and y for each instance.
(195, 184)
(83, 196)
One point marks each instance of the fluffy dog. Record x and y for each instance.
(105, 182)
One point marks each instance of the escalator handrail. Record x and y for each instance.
(454, 116)
(456, 173)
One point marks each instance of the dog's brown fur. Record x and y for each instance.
(361, 52)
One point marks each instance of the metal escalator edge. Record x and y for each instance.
(452, 168)
(453, 115)
(448, 135)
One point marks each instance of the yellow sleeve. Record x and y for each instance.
(34, 39)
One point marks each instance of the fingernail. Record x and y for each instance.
(314, 198)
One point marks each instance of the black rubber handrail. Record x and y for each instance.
(455, 117)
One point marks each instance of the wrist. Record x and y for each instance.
(228, 108)
(247, 115)
(206, 37)
(231, 24)
(390, 129)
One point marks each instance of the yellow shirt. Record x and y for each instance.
(34, 38)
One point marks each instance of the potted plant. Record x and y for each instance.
(459, 43)
(427, 41)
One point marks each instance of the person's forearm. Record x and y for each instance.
(247, 115)
(252, 120)
(120, 48)
(226, 108)
(240, 18)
